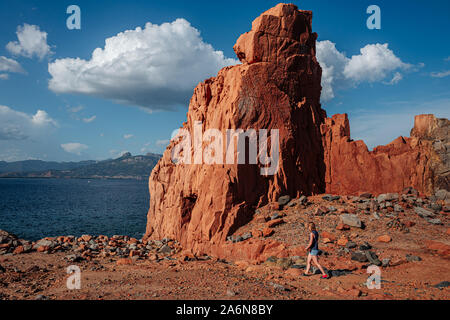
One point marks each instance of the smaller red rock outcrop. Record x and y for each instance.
(420, 161)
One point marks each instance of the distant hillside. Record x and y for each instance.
(125, 167)
(39, 165)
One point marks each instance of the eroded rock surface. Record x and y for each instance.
(277, 86)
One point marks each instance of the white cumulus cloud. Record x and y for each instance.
(74, 147)
(17, 125)
(155, 67)
(128, 136)
(375, 63)
(31, 42)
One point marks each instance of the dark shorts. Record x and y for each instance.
(314, 252)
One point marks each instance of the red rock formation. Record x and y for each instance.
(405, 162)
(277, 86)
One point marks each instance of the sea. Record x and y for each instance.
(37, 208)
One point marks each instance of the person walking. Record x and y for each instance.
(313, 250)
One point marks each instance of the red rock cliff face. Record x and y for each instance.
(420, 161)
(277, 86)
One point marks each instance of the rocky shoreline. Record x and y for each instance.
(399, 233)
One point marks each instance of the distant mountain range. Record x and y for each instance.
(125, 167)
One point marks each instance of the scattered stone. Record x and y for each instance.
(278, 287)
(412, 258)
(44, 244)
(329, 197)
(246, 236)
(41, 297)
(365, 246)
(342, 241)
(274, 223)
(319, 211)
(373, 258)
(339, 273)
(443, 284)
(283, 200)
(365, 195)
(387, 197)
(436, 207)
(359, 256)
(342, 227)
(385, 262)
(424, 213)
(396, 224)
(442, 194)
(326, 234)
(350, 245)
(434, 221)
(267, 232)
(302, 200)
(275, 216)
(351, 220)
(165, 249)
(231, 293)
(410, 190)
(384, 238)
(73, 258)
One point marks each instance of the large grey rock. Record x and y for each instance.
(351, 220)
(442, 194)
(424, 213)
(165, 249)
(434, 221)
(387, 197)
(44, 243)
(283, 200)
(373, 258)
(412, 258)
(359, 256)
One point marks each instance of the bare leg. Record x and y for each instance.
(308, 264)
(316, 262)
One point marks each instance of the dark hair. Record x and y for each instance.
(312, 226)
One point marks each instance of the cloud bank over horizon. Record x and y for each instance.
(17, 125)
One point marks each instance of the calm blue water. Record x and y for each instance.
(37, 208)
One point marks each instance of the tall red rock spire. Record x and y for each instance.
(277, 86)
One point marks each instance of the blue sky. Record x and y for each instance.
(91, 112)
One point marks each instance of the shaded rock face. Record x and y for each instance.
(437, 132)
(277, 86)
(420, 161)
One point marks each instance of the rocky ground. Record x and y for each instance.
(405, 235)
